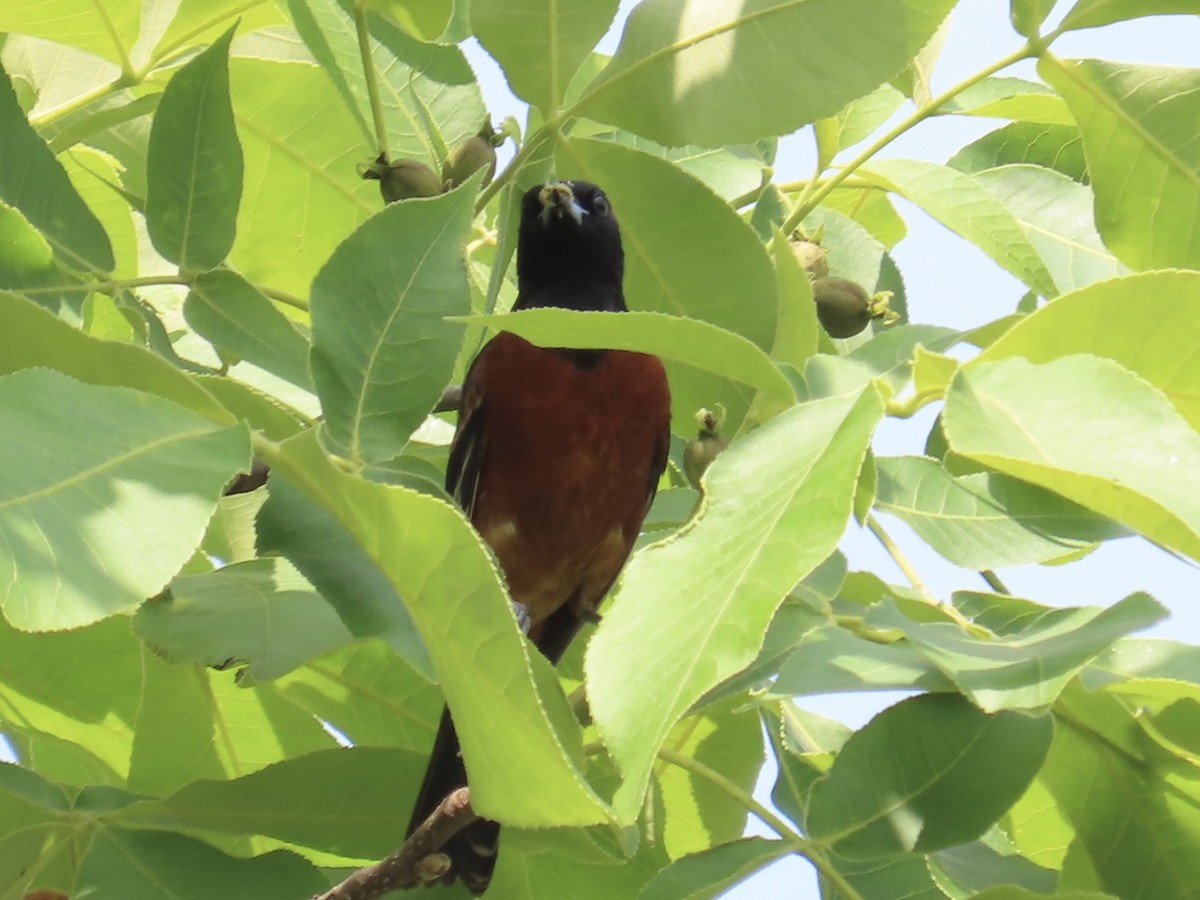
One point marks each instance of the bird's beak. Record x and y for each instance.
(558, 199)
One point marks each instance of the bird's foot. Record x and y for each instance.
(524, 617)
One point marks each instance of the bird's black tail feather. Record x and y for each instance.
(472, 851)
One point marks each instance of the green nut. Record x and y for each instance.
(467, 158)
(844, 307)
(813, 258)
(402, 179)
(706, 446)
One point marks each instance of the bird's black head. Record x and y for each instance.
(569, 249)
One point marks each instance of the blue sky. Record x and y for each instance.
(949, 282)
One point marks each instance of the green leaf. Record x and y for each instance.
(260, 613)
(428, 95)
(1012, 892)
(861, 116)
(978, 868)
(1011, 98)
(797, 330)
(145, 865)
(194, 163)
(80, 687)
(985, 520)
(929, 773)
(82, 528)
(728, 739)
(1144, 163)
(1024, 669)
(325, 551)
(1027, 15)
(1055, 213)
(235, 318)
(1057, 147)
(833, 660)
(710, 74)
(1093, 13)
(25, 255)
(681, 340)
(705, 873)
(307, 195)
(368, 694)
(969, 210)
(33, 181)
(775, 504)
(454, 594)
(1147, 322)
(686, 251)
(1089, 430)
(540, 43)
(1114, 802)
(34, 337)
(109, 31)
(342, 800)
(381, 353)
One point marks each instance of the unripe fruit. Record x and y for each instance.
(845, 308)
(403, 179)
(703, 448)
(466, 159)
(813, 258)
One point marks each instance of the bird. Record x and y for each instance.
(555, 460)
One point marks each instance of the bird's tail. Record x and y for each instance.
(472, 851)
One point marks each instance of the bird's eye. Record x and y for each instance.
(600, 205)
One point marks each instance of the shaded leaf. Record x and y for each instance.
(33, 182)
(985, 520)
(158, 865)
(194, 163)
(1057, 147)
(326, 553)
(227, 311)
(381, 353)
(261, 613)
(1114, 803)
(929, 773)
(705, 873)
(540, 43)
(1028, 667)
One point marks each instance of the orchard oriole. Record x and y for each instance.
(555, 460)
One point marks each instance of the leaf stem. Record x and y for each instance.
(920, 114)
(798, 843)
(993, 581)
(901, 560)
(368, 64)
(153, 280)
(78, 103)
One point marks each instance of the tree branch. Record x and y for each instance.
(417, 861)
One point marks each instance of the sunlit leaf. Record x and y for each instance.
(82, 528)
(1143, 160)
